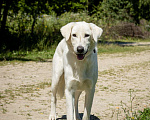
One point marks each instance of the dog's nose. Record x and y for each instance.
(80, 49)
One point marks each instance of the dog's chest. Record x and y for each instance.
(81, 76)
(81, 70)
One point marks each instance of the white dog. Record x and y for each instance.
(75, 68)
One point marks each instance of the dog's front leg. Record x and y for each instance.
(70, 97)
(88, 103)
(76, 113)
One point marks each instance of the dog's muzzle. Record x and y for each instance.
(80, 54)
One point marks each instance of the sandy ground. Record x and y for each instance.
(25, 88)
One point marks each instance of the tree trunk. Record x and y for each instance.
(33, 24)
(1, 2)
(136, 11)
(5, 13)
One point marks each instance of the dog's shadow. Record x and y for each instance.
(92, 117)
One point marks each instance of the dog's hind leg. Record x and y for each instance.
(61, 86)
(57, 86)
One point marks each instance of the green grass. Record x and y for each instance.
(112, 48)
(105, 48)
(130, 40)
(28, 55)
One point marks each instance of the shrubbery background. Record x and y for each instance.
(28, 25)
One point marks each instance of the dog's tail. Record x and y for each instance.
(61, 86)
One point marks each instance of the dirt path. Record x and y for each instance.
(25, 88)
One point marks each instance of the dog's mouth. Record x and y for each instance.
(81, 56)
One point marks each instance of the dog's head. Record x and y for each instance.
(82, 37)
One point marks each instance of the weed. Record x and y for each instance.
(28, 114)
(26, 105)
(42, 85)
(117, 113)
(144, 115)
(4, 110)
(10, 93)
(1, 95)
(15, 111)
(128, 110)
(36, 110)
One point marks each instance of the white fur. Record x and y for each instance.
(73, 75)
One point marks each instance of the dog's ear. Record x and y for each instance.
(96, 31)
(66, 30)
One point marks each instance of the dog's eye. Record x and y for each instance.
(74, 35)
(86, 35)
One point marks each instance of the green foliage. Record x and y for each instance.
(62, 6)
(140, 9)
(46, 30)
(124, 10)
(128, 111)
(112, 10)
(144, 115)
(26, 24)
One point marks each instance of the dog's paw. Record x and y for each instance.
(52, 117)
(79, 119)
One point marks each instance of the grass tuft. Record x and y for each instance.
(144, 115)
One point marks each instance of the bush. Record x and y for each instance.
(46, 31)
(22, 35)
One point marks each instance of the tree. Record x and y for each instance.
(128, 10)
(5, 13)
(19, 9)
